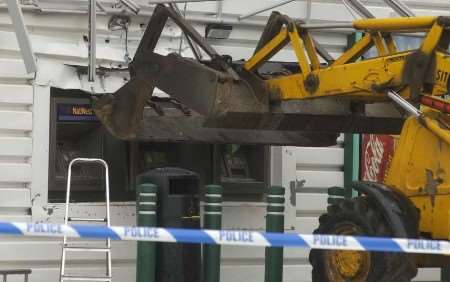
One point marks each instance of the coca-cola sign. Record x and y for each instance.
(377, 152)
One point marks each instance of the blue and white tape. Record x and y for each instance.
(227, 237)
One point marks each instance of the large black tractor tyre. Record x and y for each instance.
(358, 217)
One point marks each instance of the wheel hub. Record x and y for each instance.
(344, 266)
(350, 263)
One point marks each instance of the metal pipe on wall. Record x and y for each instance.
(101, 7)
(92, 39)
(359, 7)
(308, 10)
(135, 8)
(219, 10)
(400, 7)
(259, 11)
(22, 35)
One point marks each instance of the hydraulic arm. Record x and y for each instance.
(304, 95)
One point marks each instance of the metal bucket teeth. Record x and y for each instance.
(122, 112)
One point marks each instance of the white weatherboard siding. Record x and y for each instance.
(56, 34)
(24, 133)
(16, 124)
(24, 113)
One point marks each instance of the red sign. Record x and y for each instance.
(377, 152)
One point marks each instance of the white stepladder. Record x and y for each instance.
(74, 248)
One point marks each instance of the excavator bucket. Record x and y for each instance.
(212, 88)
(226, 94)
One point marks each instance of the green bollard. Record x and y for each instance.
(212, 220)
(445, 274)
(146, 216)
(274, 223)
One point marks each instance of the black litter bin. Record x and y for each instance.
(178, 207)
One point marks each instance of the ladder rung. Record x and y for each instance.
(77, 246)
(86, 249)
(86, 219)
(85, 278)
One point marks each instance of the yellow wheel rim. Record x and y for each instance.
(344, 266)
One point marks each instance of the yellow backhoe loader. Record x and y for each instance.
(325, 94)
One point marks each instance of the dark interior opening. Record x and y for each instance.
(243, 170)
(75, 132)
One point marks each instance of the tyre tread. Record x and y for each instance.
(386, 267)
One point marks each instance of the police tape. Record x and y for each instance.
(227, 237)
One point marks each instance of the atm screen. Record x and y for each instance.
(75, 132)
